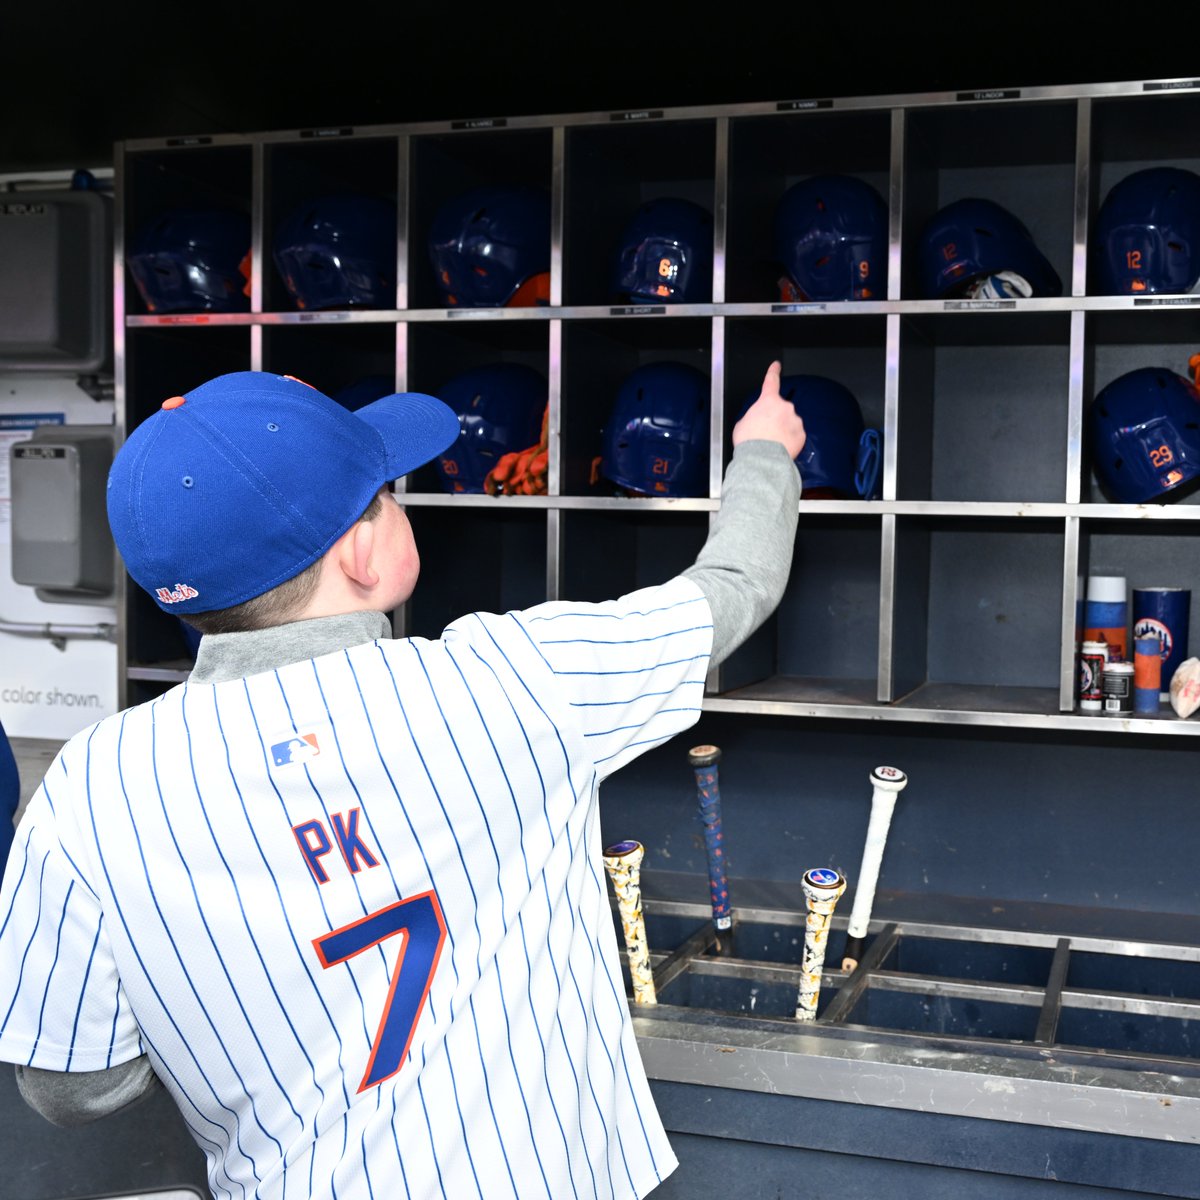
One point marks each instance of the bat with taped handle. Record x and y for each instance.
(623, 862)
(887, 783)
(704, 760)
(822, 888)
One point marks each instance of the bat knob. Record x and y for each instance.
(890, 779)
(704, 756)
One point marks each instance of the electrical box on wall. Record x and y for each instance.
(55, 290)
(61, 544)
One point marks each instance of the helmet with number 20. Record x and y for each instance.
(499, 410)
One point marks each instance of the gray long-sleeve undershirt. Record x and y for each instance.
(742, 569)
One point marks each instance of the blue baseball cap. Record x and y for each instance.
(241, 483)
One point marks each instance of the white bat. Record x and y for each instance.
(822, 887)
(888, 784)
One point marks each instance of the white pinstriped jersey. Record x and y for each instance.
(354, 908)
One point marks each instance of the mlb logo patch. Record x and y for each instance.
(300, 747)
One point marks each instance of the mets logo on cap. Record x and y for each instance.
(176, 595)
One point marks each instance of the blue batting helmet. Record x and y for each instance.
(339, 252)
(499, 409)
(490, 248)
(1145, 434)
(193, 261)
(666, 254)
(841, 458)
(971, 240)
(656, 439)
(831, 238)
(1148, 234)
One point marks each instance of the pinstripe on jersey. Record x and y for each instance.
(354, 911)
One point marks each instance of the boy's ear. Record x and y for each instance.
(354, 549)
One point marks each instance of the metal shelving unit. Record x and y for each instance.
(1046, 151)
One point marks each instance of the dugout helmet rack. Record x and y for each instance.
(957, 591)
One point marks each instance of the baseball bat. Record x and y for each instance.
(704, 760)
(822, 887)
(888, 783)
(623, 861)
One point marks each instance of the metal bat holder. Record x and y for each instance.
(1023, 1013)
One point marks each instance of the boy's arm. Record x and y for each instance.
(743, 567)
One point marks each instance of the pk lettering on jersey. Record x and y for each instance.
(177, 594)
(314, 841)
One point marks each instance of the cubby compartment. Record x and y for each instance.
(200, 193)
(1120, 342)
(330, 205)
(1131, 135)
(822, 644)
(1148, 554)
(439, 355)
(847, 352)
(611, 171)
(767, 156)
(446, 167)
(608, 554)
(599, 356)
(983, 412)
(1020, 157)
(474, 561)
(1130, 1032)
(977, 614)
(166, 362)
(353, 363)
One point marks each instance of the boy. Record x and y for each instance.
(342, 894)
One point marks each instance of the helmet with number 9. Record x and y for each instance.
(499, 410)
(970, 242)
(831, 238)
(1145, 435)
(666, 254)
(339, 252)
(490, 248)
(193, 261)
(840, 459)
(656, 440)
(1148, 234)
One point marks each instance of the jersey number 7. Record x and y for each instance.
(420, 919)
